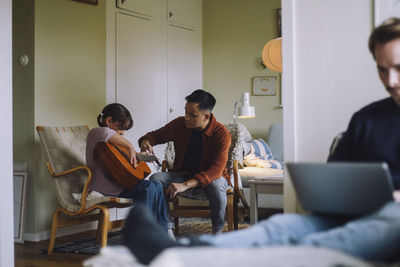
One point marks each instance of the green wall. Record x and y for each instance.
(70, 62)
(70, 71)
(234, 34)
(23, 95)
(64, 85)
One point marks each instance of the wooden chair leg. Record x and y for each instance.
(242, 198)
(235, 212)
(54, 226)
(99, 229)
(176, 219)
(241, 214)
(105, 225)
(176, 224)
(230, 215)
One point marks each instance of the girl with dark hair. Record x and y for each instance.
(113, 121)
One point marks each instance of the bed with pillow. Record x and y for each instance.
(260, 158)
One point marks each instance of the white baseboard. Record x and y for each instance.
(45, 235)
(115, 214)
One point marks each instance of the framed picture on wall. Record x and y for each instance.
(264, 85)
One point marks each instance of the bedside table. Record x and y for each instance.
(265, 185)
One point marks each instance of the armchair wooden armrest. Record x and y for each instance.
(238, 193)
(87, 183)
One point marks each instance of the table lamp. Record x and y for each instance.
(244, 110)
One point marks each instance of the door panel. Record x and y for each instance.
(184, 67)
(145, 7)
(140, 85)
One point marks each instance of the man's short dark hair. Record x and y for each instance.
(386, 32)
(205, 100)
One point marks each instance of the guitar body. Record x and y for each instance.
(115, 162)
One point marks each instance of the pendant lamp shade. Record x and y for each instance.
(272, 55)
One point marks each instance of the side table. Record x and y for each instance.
(265, 185)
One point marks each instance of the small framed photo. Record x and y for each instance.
(92, 2)
(264, 85)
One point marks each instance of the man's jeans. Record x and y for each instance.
(149, 194)
(215, 193)
(375, 237)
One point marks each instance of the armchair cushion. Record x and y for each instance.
(94, 198)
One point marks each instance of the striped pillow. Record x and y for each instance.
(261, 150)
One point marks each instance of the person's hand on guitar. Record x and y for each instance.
(119, 140)
(145, 146)
(132, 156)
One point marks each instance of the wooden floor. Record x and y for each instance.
(28, 254)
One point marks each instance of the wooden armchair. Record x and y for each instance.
(233, 194)
(65, 148)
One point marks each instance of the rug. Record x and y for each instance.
(187, 227)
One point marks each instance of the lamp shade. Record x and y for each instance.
(245, 110)
(272, 55)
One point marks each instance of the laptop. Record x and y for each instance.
(341, 188)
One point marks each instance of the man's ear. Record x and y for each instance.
(207, 116)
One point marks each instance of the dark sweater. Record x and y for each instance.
(194, 152)
(373, 135)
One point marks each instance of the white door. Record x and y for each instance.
(140, 80)
(184, 67)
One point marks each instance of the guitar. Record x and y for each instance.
(114, 160)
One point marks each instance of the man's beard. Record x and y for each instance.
(395, 98)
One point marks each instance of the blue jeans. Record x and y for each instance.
(149, 194)
(214, 192)
(375, 237)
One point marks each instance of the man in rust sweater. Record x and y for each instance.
(201, 153)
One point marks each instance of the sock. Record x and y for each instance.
(144, 237)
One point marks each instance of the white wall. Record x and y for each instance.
(330, 74)
(6, 189)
